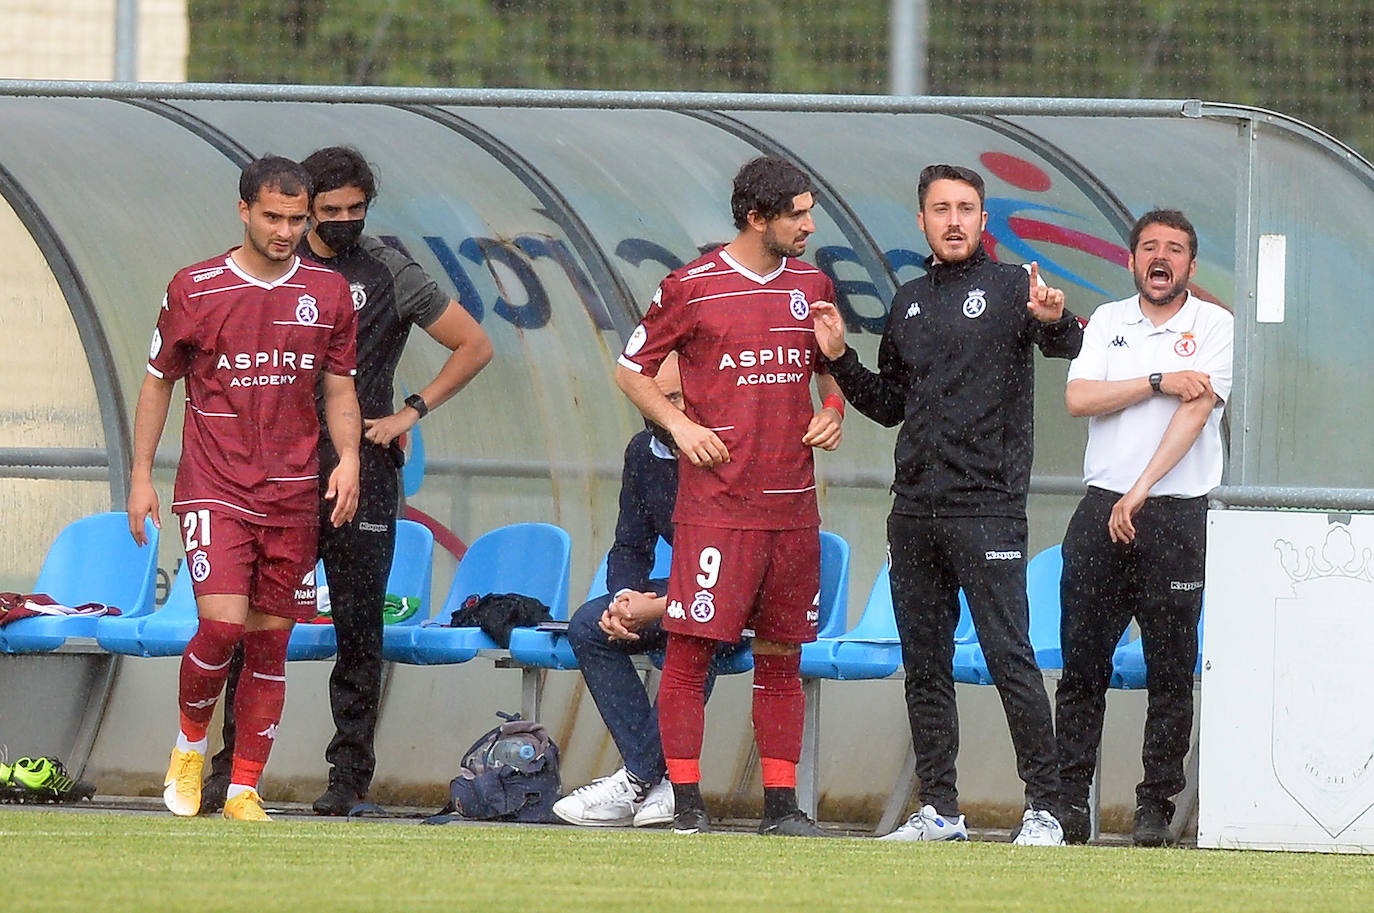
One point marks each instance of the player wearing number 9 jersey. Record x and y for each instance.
(252, 333)
(747, 549)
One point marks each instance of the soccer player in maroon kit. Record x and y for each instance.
(251, 331)
(746, 552)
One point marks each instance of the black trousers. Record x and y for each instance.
(357, 560)
(1158, 580)
(931, 559)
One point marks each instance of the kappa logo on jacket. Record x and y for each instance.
(914, 310)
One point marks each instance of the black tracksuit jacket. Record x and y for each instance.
(957, 369)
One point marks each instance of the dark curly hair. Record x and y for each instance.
(341, 166)
(767, 185)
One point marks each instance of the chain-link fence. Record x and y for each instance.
(1308, 58)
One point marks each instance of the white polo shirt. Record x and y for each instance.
(1121, 343)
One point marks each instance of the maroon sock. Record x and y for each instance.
(681, 697)
(259, 702)
(779, 705)
(204, 667)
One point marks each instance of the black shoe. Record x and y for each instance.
(793, 824)
(691, 821)
(1077, 823)
(1152, 827)
(338, 800)
(212, 794)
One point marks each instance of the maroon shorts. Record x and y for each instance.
(726, 580)
(274, 566)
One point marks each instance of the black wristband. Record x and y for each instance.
(417, 402)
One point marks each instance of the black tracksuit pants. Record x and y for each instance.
(357, 560)
(931, 559)
(1158, 580)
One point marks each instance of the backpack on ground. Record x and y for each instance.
(509, 774)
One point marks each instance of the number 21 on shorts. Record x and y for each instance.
(196, 526)
(709, 560)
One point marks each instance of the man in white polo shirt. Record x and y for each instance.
(1153, 376)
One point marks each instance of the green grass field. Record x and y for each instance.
(91, 861)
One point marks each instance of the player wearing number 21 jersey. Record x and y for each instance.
(250, 352)
(252, 332)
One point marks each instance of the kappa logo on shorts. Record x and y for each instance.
(976, 303)
(359, 293)
(306, 311)
(200, 566)
(797, 303)
(675, 610)
(703, 607)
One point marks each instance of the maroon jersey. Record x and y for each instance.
(747, 350)
(251, 353)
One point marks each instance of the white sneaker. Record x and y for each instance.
(928, 824)
(607, 802)
(1039, 828)
(657, 807)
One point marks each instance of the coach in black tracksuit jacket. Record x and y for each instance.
(956, 369)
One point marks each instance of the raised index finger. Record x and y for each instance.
(1034, 274)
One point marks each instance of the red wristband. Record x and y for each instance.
(834, 401)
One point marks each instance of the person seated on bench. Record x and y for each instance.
(608, 631)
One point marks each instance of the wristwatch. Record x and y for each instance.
(1155, 380)
(417, 402)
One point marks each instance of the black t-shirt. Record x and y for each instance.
(390, 293)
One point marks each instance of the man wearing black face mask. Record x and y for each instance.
(608, 631)
(390, 294)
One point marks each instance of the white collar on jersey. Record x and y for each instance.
(280, 280)
(1182, 322)
(748, 273)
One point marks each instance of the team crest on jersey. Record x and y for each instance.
(157, 344)
(1186, 346)
(976, 303)
(703, 607)
(796, 301)
(306, 311)
(200, 566)
(636, 341)
(359, 293)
